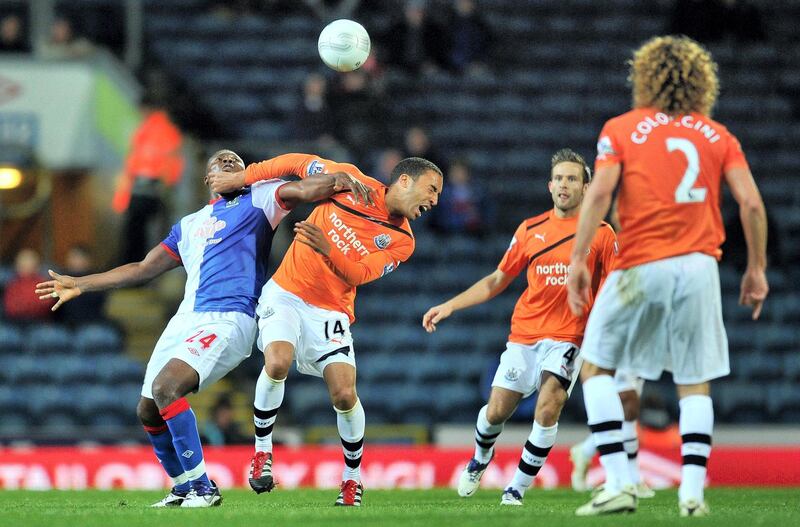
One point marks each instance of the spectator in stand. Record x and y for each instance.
(314, 115)
(470, 38)
(385, 161)
(88, 307)
(222, 429)
(64, 44)
(154, 164)
(19, 302)
(12, 37)
(358, 112)
(418, 144)
(463, 205)
(415, 43)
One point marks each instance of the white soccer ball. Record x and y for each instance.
(344, 45)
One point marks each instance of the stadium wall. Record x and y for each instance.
(71, 468)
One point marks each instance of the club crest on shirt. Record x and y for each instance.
(512, 374)
(315, 167)
(382, 241)
(604, 147)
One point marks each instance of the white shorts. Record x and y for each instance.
(627, 380)
(319, 336)
(662, 315)
(212, 343)
(521, 365)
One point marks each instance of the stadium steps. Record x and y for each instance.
(141, 312)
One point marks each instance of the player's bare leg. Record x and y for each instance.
(550, 402)
(175, 380)
(267, 400)
(696, 427)
(605, 415)
(491, 418)
(350, 421)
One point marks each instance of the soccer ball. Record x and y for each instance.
(344, 45)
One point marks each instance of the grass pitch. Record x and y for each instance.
(439, 507)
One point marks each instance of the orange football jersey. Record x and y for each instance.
(366, 243)
(543, 245)
(670, 189)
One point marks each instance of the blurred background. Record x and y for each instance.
(109, 109)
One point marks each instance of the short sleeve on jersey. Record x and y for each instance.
(514, 260)
(734, 156)
(265, 197)
(170, 243)
(608, 148)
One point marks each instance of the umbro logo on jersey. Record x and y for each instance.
(232, 203)
(540, 237)
(382, 241)
(187, 454)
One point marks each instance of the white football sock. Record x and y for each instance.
(485, 437)
(351, 424)
(604, 414)
(631, 443)
(696, 427)
(534, 454)
(267, 400)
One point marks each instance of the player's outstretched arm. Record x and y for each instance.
(322, 186)
(280, 166)
(595, 206)
(484, 289)
(754, 288)
(65, 288)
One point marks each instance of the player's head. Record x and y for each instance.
(414, 187)
(224, 161)
(674, 74)
(569, 178)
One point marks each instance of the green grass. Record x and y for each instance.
(308, 508)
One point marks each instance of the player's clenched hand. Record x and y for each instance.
(62, 287)
(312, 236)
(342, 181)
(754, 290)
(223, 182)
(435, 315)
(578, 283)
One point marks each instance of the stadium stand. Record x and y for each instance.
(554, 90)
(549, 85)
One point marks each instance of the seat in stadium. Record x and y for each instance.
(26, 369)
(307, 399)
(384, 367)
(113, 369)
(756, 366)
(740, 402)
(427, 368)
(456, 401)
(48, 399)
(50, 338)
(98, 338)
(11, 338)
(784, 402)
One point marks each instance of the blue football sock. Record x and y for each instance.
(183, 426)
(161, 439)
